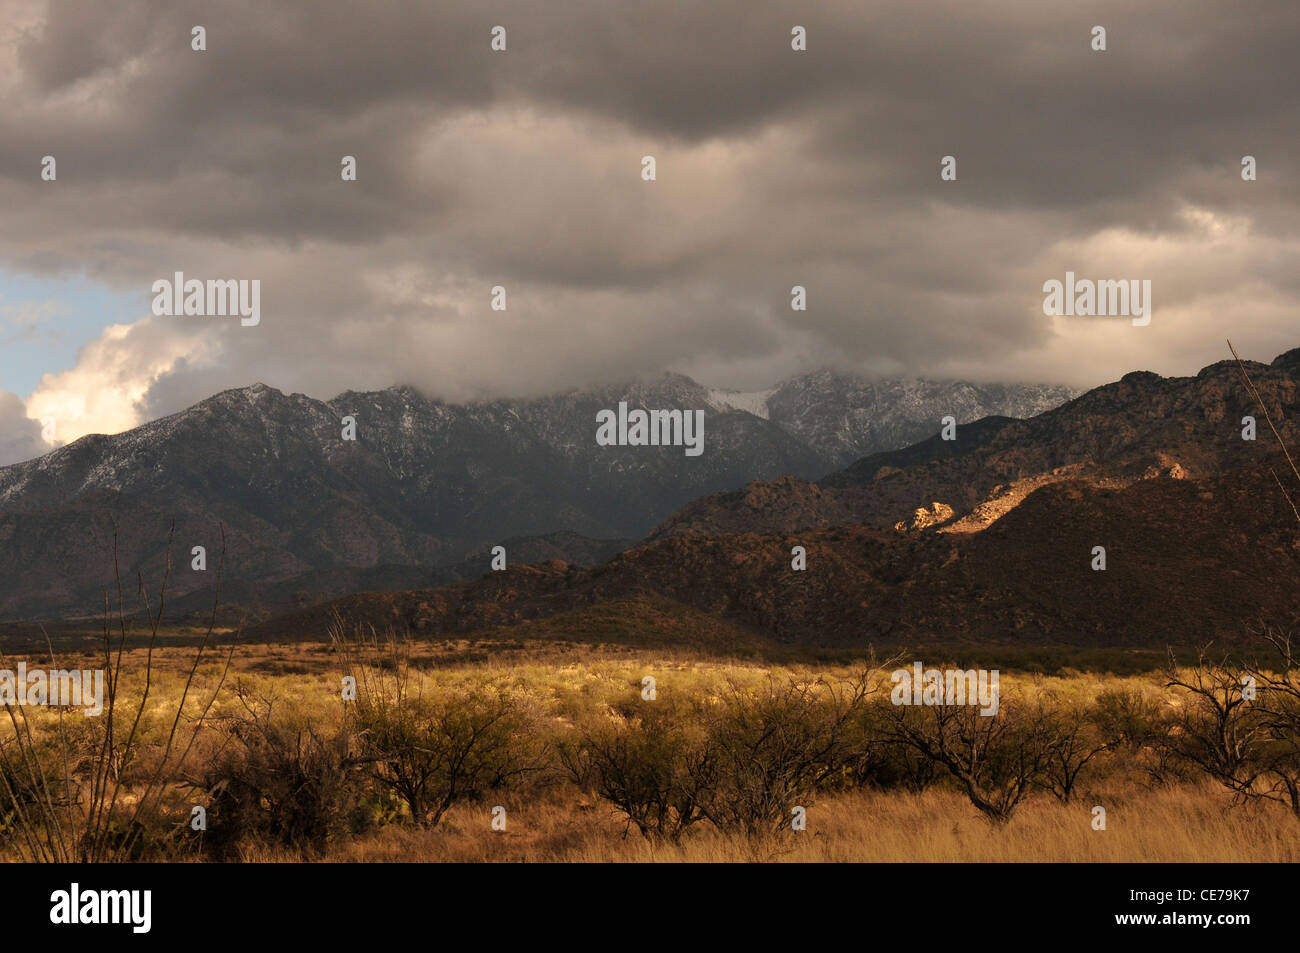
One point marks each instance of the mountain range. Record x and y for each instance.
(1139, 427)
(426, 488)
(992, 536)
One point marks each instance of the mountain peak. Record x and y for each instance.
(251, 392)
(1141, 377)
(1288, 361)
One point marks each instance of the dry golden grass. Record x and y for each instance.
(1194, 822)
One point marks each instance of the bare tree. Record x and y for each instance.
(1238, 725)
(997, 759)
(655, 768)
(1278, 708)
(774, 746)
(1076, 741)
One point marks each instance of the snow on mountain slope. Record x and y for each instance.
(751, 402)
(846, 417)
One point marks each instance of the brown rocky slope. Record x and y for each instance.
(1135, 428)
(1187, 561)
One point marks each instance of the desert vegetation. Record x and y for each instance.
(262, 752)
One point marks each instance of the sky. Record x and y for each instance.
(522, 168)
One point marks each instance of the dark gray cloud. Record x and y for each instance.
(775, 168)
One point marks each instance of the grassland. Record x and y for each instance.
(277, 713)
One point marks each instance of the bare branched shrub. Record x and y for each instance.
(774, 745)
(997, 759)
(67, 792)
(1076, 739)
(656, 768)
(1240, 724)
(877, 759)
(278, 779)
(434, 750)
(1215, 727)
(1278, 696)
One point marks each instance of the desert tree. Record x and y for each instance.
(1237, 724)
(774, 745)
(1077, 738)
(997, 759)
(655, 767)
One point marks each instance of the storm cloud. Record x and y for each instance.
(522, 169)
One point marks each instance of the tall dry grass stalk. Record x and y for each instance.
(1250, 385)
(90, 811)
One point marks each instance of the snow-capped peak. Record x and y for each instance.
(751, 402)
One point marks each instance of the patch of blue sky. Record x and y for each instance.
(46, 319)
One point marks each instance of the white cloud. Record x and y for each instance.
(104, 392)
